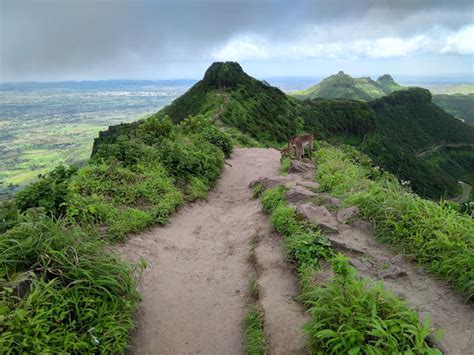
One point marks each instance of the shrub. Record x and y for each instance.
(351, 316)
(50, 192)
(60, 293)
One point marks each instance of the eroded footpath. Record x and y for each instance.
(195, 286)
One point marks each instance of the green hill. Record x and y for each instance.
(238, 100)
(392, 130)
(343, 86)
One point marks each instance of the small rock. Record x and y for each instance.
(308, 184)
(268, 183)
(301, 167)
(333, 201)
(345, 247)
(345, 214)
(299, 194)
(392, 272)
(319, 216)
(359, 264)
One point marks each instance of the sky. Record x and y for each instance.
(53, 40)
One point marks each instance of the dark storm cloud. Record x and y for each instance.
(65, 38)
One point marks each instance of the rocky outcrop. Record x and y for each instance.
(319, 216)
(299, 194)
(345, 214)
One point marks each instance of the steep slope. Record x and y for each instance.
(343, 86)
(252, 106)
(408, 122)
(459, 105)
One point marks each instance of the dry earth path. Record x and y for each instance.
(195, 286)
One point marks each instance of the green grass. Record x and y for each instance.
(254, 338)
(434, 234)
(77, 298)
(348, 315)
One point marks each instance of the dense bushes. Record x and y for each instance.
(348, 315)
(433, 233)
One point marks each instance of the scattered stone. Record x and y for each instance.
(319, 216)
(345, 214)
(268, 183)
(333, 201)
(359, 264)
(299, 194)
(300, 167)
(308, 184)
(344, 247)
(392, 272)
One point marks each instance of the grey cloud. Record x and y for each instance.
(66, 38)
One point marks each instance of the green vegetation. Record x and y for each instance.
(343, 86)
(434, 234)
(60, 292)
(59, 289)
(407, 123)
(253, 107)
(353, 316)
(349, 315)
(253, 332)
(460, 106)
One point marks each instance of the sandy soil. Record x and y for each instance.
(195, 287)
(277, 290)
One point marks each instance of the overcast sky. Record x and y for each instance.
(102, 39)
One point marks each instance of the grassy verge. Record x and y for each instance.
(349, 315)
(434, 234)
(61, 291)
(253, 331)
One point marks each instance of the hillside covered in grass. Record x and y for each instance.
(343, 86)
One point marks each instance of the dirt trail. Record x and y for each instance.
(437, 147)
(277, 290)
(195, 286)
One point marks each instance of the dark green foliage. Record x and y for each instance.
(8, 215)
(458, 105)
(407, 122)
(60, 292)
(253, 107)
(327, 118)
(50, 192)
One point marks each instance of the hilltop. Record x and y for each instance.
(343, 86)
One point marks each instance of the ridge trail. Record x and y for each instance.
(195, 286)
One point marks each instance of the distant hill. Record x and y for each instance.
(392, 129)
(343, 86)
